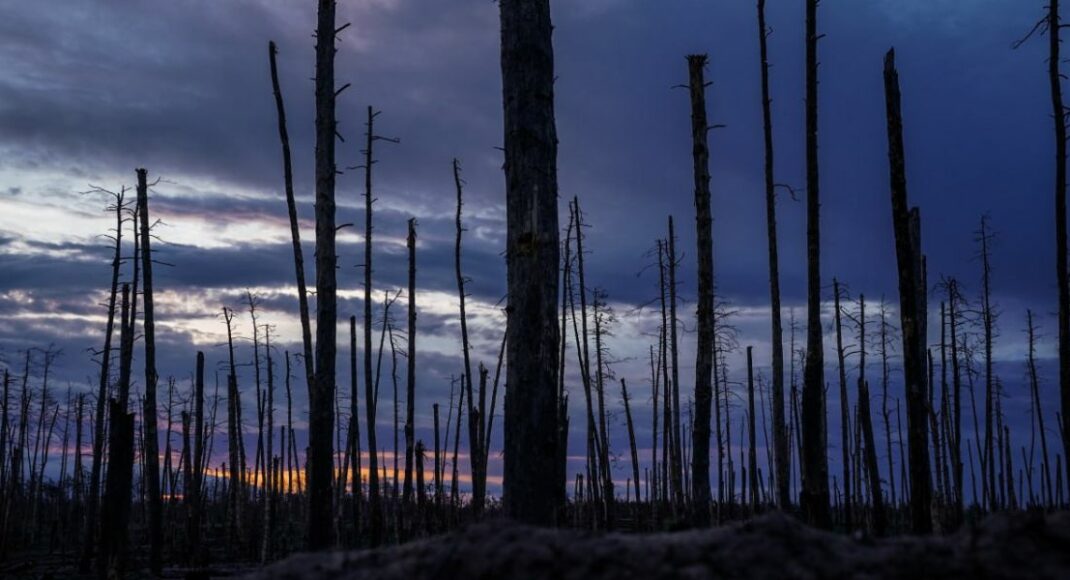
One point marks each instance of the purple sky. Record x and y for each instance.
(91, 90)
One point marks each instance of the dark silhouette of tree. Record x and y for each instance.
(912, 307)
(700, 466)
(532, 254)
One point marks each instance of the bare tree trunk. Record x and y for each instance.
(115, 509)
(321, 391)
(956, 378)
(234, 439)
(631, 439)
(102, 397)
(988, 323)
(912, 312)
(295, 230)
(675, 429)
(375, 515)
(815, 492)
(865, 418)
(1054, 26)
(780, 439)
(532, 253)
(752, 451)
(197, 480)
(152, 457)
(700, 468)
(410, 399)
(1039, 411)
(354, 426)
(474, 418)
(845, 413)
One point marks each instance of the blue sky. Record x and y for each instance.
(91, 90)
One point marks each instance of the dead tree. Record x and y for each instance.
(197, 480)
(780, 439)
(93, 498)
(115, 510)
(532, 254)
(1038, 411)
(410, 408)
(354, 424)
(845, 411)
(752, 450)
(700, 128)
(912, 309)
(675, 430)
(152, 458)
(1055, 78)
(873, 475)
(815, 492)
(375, 515)
(321, 391)
(236, 454)
(631, 439)
(474, 418)
(988, 322)
(295, 230)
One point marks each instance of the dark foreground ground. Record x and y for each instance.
(774, 546)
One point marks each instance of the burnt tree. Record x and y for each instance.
(532, 254)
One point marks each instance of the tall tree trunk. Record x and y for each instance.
(152, 458)
(780, 438)
(752, 450)
(354, 426)
(631, 439)
(295, 230)
(1039, 411)
(700, 468)
(236, 497)
(988, 324)
(845, 410)
(115, 510)
(410, 398)
(815, 492)
(102, 397)
(873, 475)
(1059, 119)
(474, 418)
(675, 430)
(532, 253)
(371, 392)
(198, 474)
(321, 391)
(912, 311)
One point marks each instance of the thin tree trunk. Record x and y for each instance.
(845, 414)
(865, 418)
(410, 398)
(752, 451)
(102, 397)
(295, 230)
(532, 253)
(780, 440)
(631, 440)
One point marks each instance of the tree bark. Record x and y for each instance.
(532, 253)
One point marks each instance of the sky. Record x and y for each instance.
(91, 90)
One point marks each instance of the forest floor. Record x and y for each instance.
(1018, 545)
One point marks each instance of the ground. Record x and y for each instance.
(772, 546)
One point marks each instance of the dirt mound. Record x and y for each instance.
(773, 546)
